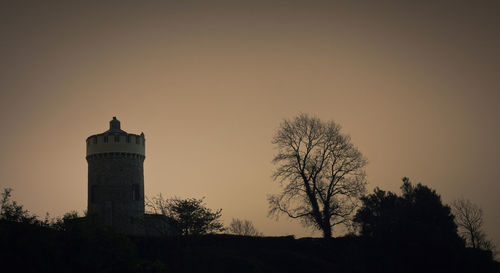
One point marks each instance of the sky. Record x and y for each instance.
(415, 84)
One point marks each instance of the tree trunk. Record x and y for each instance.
(325, 223)
(327, 229)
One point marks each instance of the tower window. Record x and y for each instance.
(105, 139)
(117, 138)
(136, 192)
(128, 138)
(137, 140)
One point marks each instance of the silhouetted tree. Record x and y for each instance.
(190, 216)
(243, 227)
(61, 223)
(418, 215)
(321, 173)
(469, 220)
(12, 211)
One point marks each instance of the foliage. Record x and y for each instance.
(417, 216)
(189, 215)
(87, 247)
(61, 223)
(12, 211)
(469, 220)
(321, 173)
(243, 227)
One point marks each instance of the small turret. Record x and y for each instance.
(114, 125)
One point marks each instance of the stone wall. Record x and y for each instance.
(116, 190)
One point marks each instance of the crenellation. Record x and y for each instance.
(129, 143)
(110, 138)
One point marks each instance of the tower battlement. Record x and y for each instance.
(115, 140)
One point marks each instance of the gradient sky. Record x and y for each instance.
(416, 85)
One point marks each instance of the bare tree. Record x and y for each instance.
(469, 220)
(243, 227)
(321, 173)
(157, 205)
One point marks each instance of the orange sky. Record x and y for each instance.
(416, 86)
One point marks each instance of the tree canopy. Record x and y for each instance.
(190, 216)
(10, 210)
(417, 215)
(243, 227)
(321, 173)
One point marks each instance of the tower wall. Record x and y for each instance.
(116, 179)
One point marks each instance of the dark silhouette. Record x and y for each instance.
(243, 227)
(417, 212)
(11, 211)
(189, 216)
(414, 227)
(62, 223)
(469, 220)
(83, 245)
(321, 171)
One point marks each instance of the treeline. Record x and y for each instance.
(410, 232)
(31, 248)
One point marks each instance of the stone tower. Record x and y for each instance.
(116, 179)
